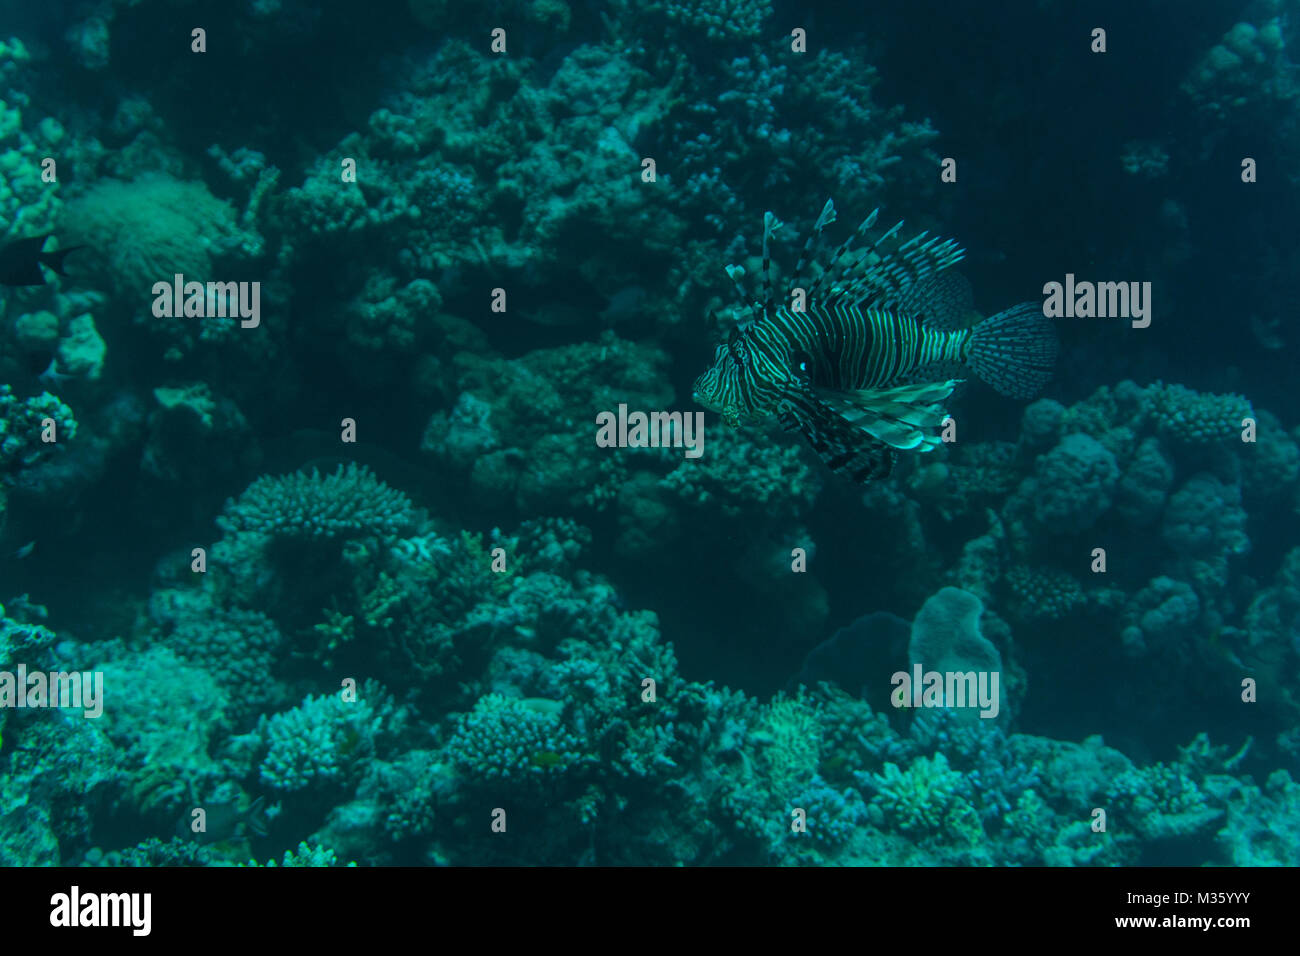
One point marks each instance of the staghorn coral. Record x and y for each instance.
(304, 854)
(689, 20)
(995, 765)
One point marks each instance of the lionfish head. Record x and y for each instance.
(727, 386)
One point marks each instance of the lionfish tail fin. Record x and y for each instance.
(1015, 350)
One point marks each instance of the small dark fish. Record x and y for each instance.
(21, 261)
(852, 657)
(226, 821)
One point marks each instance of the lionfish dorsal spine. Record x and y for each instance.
(770, 226)
(885, 284)
(811, 245)
(851, 277)
(735, 272)
(840, 251)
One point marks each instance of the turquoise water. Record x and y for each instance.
(334, 528)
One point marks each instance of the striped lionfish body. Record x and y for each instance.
(861, 361)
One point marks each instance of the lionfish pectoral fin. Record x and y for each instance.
(904, 417)
(846, 449)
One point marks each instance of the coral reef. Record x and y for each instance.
(477, 615)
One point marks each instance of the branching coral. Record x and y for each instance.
(326, 741)
(350, 502)
(23, 431)
(927, 800)
(506, 740)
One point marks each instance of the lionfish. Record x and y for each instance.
(861, 362)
